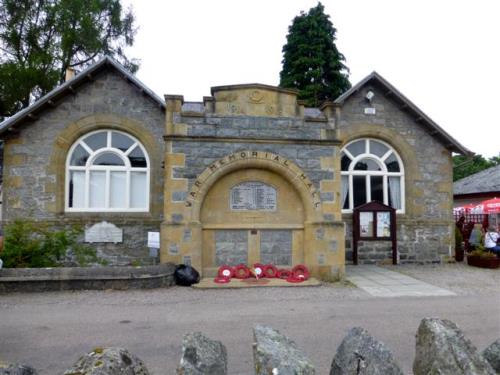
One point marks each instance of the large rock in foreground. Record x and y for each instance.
(274, 353)
(492, 355)
(108, 361)
(16, 369)
(202, 356)
(442, 349)
(361, 354)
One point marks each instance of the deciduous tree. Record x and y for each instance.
(40, 39)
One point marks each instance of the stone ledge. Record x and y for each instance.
(81, 278)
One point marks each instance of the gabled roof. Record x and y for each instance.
(71, 86)
(486, 181)
(406, 105)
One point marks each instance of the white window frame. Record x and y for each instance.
(127, 168)
(350, 173)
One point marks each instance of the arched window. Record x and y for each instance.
(371, 171)
(107, 170)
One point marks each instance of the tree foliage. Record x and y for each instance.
(464, 166)
(311, 62)
(40, 39)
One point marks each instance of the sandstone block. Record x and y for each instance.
(276, 354)
(108, 361)
(202, 356)
(443, 349)
(16, 369)
(492, 355)
(360, 353)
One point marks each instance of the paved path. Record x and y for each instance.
(381, 282)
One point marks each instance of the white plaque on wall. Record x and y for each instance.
(154, 239)
(104, 232)
(253, 195)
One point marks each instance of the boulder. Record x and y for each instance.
(360, 354)
(16, 369)
(108, 361)
(202, 356)
(274, 354)
(492, 355)
(442, 349)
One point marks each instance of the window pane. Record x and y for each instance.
(345, 192)
(377, 186)
(97, 140)
(121, 141)
(77, 189)
(97, 189)
(138, 190)
(377, 148)
(137, 158)
(367, 165)
(344, 162)
(108, 158)
(359, 189)
(392, 163)
(79, 156)
(117, 195)
(395, 192)
(358, 147)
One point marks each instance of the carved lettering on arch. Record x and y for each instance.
(245, 155)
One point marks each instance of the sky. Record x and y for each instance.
(443, 55)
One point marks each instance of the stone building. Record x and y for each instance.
(247, 175)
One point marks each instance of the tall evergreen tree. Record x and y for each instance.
(311, 62)
(40, 39)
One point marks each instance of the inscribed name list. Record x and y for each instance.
(253, 196)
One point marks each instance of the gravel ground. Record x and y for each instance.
(51, 330)
(457, 277)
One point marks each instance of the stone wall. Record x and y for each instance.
(13, 280)
(425, 230)
(441, 348)
(35, 157)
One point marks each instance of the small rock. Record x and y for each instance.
(492, 355)
(108, 361)
(16, 369)
(202, 356)
(274, 354)
(442, 349)
(360, 354)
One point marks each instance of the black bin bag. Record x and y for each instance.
(186, 275)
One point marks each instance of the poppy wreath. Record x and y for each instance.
(222, 280)
(257, 267)
(270, 271)
(293, 279)
(225, 271)
(241, 272)
(284, 273)
(300, 272)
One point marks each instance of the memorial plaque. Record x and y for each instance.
(104, 232)
(253, 196)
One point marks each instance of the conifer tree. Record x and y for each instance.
(311, 62)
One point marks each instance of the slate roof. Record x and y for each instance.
(406, 105)
(69, 87)
(486, 181)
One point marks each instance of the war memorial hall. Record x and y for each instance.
(246, 175)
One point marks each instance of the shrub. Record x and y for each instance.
(29, 244)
